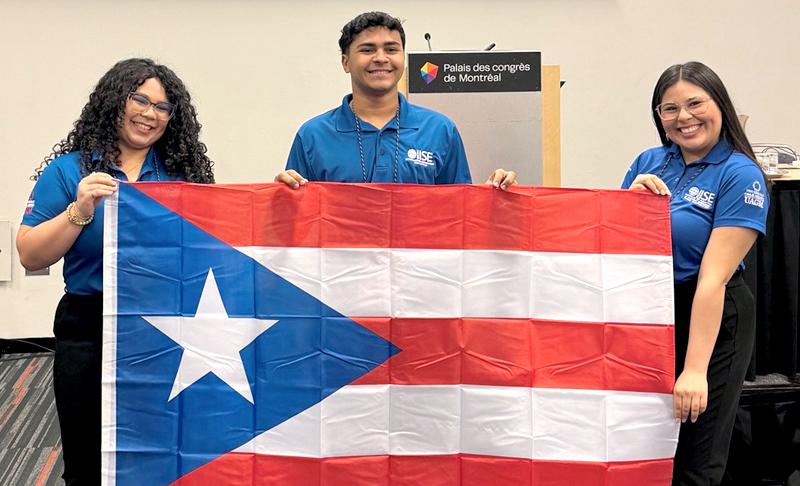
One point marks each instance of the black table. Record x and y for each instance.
(773, 273)
(765, 447)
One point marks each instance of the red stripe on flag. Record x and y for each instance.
(329, 215)
(525, 353)
(463, 470)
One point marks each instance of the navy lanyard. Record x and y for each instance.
(663, 170)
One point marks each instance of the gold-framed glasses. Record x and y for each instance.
(670, 111)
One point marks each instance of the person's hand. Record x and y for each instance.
(291, 178)
(91, 190)
(502, 179)
(651, 183)
(690, 395)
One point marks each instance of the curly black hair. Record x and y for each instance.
(96, 132)
(365, 21)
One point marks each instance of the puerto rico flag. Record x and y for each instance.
(348, 334)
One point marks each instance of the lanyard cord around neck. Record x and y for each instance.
(361, 145)
(663, 171)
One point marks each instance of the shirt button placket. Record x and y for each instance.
(380, 160)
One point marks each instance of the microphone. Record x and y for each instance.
(490, 47)
(428, 38)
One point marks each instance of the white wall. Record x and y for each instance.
(257, 69)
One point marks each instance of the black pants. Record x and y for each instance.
(703, 446)
(76, 380)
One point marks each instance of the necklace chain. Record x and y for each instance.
(155, 166)
(361, 145)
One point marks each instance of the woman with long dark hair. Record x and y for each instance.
(718, 205)
(139, 125)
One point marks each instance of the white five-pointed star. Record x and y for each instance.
(211, 341)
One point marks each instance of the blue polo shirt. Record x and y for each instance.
(725, 188)
(430, 150)
(55, 189)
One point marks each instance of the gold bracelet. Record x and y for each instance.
(75, 219)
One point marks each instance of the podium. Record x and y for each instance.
(506, 106)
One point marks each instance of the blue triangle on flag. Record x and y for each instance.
(161, 264)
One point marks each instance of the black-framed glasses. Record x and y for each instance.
(670, 111)
(162, 109)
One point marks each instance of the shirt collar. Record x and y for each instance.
(149, 162)
(148, 165)
(720, 153)
(345, 120)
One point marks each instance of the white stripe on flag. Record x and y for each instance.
(480, 283)
(529, 423)
(108, 460)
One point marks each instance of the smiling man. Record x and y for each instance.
(376, 135)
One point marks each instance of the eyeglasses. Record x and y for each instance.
(671, 111)
(162, 109)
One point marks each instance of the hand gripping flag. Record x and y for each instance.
(344, 335)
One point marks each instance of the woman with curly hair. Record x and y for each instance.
(139, 125)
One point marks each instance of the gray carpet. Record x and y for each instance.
(30, 443)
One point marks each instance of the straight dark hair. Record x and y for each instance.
(701, 75)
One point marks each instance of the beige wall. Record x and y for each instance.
(257, 69)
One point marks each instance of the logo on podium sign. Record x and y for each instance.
(428, 72)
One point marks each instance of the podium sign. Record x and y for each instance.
(475, 72)
(495, 99)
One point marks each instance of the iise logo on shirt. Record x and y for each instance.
(420, 157)
(700, 197)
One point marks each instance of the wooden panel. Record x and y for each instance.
(551, 125)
